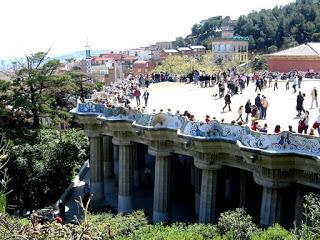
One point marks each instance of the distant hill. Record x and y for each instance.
(79, 54)
(6, 63)
(268, 30)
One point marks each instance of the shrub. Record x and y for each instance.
(121, 225)
(236, 225)
(310, 227)
(275, 232)
(175, 231)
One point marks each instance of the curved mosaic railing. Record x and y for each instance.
(161, 120)
(90, 107)
(285, 142)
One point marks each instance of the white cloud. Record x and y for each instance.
(36, 25)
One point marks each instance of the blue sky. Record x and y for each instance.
(63, 25)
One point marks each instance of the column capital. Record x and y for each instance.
(121, 142)
(122, 138)
(272, 178)
(92, 131)
(207, 161)
(159, 153)
(158, 146)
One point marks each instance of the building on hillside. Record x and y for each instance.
(192, 51)
(185, 51)
(198, 50)
(230, 47)
(168, 52)
(305, 57)
(143, 67)
(164, 45)
(140, 53)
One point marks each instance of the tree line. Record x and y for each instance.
(268, 30)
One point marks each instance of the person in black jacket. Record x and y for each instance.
(299, 107)
(227, 100)
(247, 109)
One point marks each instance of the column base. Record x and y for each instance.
(197, 203)
(108, 186)
(124, 204)
(270, 207)
(110, 195)
(160, 217)
(97, 191)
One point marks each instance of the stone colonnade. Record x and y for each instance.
(113, 157)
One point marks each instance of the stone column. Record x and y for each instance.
(228, 188)
(96, 170)
(197, 188)
(107, 157)
(116, 160)
(136, 167)
(270, 206)
(161, 188)
(207, 209)
(243, 182)
(298, 213)
(125, 193)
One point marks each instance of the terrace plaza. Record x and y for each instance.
(178, 170)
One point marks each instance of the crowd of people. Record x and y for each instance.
(228, 83)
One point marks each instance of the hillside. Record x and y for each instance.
(268, 30)
(6, 64)
(79, 54)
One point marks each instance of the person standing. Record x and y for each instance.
(299, 80)
(299, 106)
(265, 105)
(314, 97)
(295, 83)
(287, 84)
(318, 121)
(227, 101)
(306, 122)
(257, 102)
(145, 97)
(248, 109)
(137, 95)
(275, 86)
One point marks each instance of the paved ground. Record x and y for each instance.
(72, 208)
(200, 101)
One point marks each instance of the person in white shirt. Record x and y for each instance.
(314, 97)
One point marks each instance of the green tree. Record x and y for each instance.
(260, 63)
(41, 169)
(31, 83)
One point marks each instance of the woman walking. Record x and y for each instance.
(240, 112)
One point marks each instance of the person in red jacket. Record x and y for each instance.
(137, 95)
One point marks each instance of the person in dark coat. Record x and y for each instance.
(247, 109)
(299, 107)
(227, 100)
